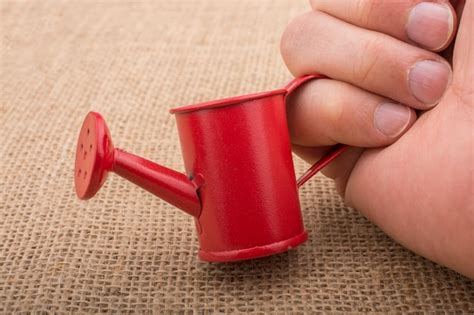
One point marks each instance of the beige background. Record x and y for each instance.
(126, 250)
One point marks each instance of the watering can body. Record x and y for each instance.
(241, 149)
(239, 183)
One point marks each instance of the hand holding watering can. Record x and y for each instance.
(239, 185)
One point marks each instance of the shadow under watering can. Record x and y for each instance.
(240, 184)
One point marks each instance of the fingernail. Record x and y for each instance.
(430, 25)
(428, 80)
(391, 119)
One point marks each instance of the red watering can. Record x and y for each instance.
(239, 186)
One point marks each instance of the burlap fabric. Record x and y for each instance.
(126, 250)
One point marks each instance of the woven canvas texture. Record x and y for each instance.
(126, 250)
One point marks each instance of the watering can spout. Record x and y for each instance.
(96, 156)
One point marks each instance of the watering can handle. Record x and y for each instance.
(335, 150)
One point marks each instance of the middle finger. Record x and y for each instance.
(317, 42)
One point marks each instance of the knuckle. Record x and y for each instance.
(368, 13)
(363, 10)
(372, 50)
(323, 97)
(333, 108)
(292, 40)
(315, 4)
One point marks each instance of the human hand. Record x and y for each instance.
(381, 55)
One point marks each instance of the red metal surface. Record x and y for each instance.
(96, 156)
(241, 189)
(171, 186)
(319, 165)
(249, 196)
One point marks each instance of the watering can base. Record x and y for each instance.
(254, 252)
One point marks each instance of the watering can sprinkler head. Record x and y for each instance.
(96, 156)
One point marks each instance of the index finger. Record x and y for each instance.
(429, 24)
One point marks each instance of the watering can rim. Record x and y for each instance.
(290, 87)
(229, 101)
